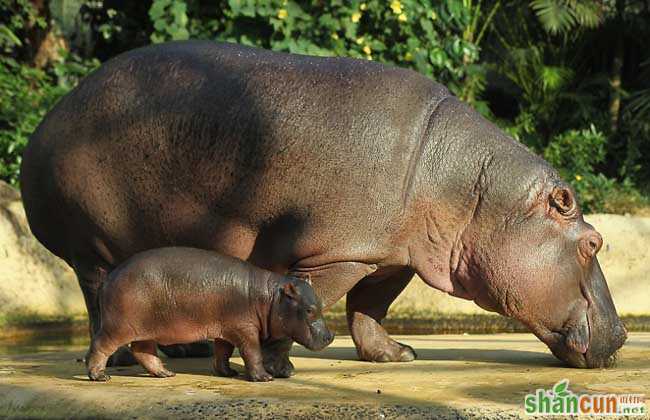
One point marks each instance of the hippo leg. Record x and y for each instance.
(145, 352)
(222, 352)
(276, 358)
(367, 304)
(198, 349)
(90, 277)
(100, 350)
(251, 352)
(331, 282)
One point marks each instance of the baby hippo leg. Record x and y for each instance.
(146, 354)
(222, 352)
(251, 352)
(101, 348)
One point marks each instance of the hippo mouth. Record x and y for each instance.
(580, 353)
(593, 335)
(581, 360)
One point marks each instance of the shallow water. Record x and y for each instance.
(43, 342)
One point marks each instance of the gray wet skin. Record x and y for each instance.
(357, 173)
(183, 295)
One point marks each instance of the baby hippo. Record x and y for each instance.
(183, 295)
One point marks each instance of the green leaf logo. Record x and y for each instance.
(560, 388)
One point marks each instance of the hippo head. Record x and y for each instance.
(300, 314)
(534, 259)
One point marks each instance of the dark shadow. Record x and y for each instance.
(57, 403)
(511, 357)
(188, 365)
(464, 339)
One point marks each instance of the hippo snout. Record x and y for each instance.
(324, 341)
(321, 336)
(600, 353)
(604, 354)
(329, 338)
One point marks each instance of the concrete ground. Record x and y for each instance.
(455, 376)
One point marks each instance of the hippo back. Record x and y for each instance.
(226, 147)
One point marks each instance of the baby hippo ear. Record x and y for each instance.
(304, 276)
(289, 290)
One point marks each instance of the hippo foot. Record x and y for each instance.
(276, 358)
(164, 373)
(225, 371)
(198, 349)
(99, 376)
(261, 376)
(392, 352)
(279, 366)
(122, 357)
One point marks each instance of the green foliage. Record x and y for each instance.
(19, 14)
(29, 94)
(563, 15)
(541, 88)
(438, 41)
(576, 154)
(66, 14)
(169, 19)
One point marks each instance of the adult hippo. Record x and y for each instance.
(354, 172)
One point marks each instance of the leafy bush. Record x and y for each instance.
(28, 91)
(439, 41)
(576, 154)
(28, 94)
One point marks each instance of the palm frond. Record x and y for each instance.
(555, 15)
(639, 104)
(560, 16)
(587, 13)
(555, 77)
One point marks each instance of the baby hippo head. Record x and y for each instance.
(300, 314)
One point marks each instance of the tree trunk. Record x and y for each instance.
(617, 70)
(44, 44)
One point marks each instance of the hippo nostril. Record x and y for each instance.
(591, 244)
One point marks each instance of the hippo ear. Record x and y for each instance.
(562, 199)
(304, 276)
(290, 291)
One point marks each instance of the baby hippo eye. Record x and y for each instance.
(311, 312)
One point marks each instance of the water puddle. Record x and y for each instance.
(42, 342)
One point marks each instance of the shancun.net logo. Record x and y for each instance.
(560, 400)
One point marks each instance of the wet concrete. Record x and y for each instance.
(455, 376)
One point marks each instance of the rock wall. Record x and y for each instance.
(34, 284)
